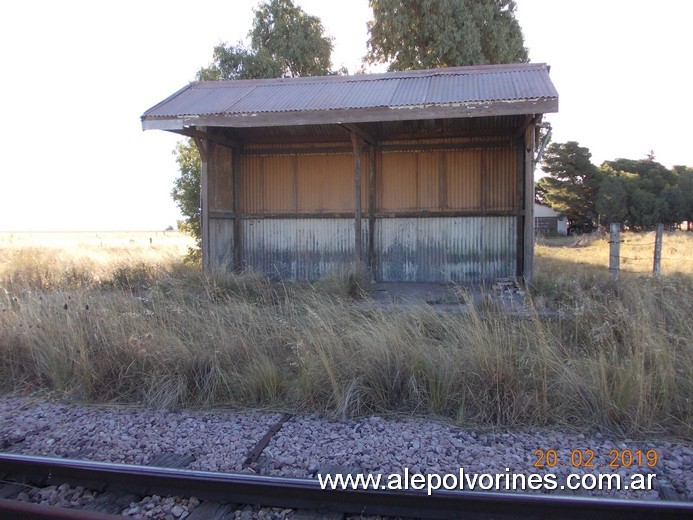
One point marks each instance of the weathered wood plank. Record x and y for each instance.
(520, 244)
(381, 214)
(371, 208)
(221, 213)
(442, 182)
(10, 491)
(615, 251)
(657, 263)
(198, 134)
(171, 460)
(204, 147)
(529, 205)
(356, 142)
(355, 129)
(418, 147)
(212, 511)
(237, 228)
(112, 503)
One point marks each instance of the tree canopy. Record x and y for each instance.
(653, 193)
(638, 193)
(186, 189)
(422, 34)
(284, 42)
(572, 182)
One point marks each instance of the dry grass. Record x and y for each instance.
(591, 252)
(159, 333)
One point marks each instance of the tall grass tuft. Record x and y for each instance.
(614, 356)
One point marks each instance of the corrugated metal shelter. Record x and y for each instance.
(421, 175)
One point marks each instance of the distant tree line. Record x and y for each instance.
(635, 193)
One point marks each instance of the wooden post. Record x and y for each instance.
(528, 231)
(615, 251)
(519, 210)
(657, 266)
(203, 147)
(237, 229)
(357, 197)
(371, 210)
(236, 196)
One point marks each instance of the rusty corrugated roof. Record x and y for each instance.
(435, 93)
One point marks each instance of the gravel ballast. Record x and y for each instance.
(308, 444)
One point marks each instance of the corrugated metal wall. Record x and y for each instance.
(470, 179)
(499, 175)
(303, 249)
(325, 183)
(396, 182)
(463, 179)
(221, 242)
(458, 249)
(299, 183)
(407, 247)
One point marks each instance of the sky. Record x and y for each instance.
(75, 77)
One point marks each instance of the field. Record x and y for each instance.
(118, 318)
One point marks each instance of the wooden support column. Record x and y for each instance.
(203, 147)
(528, 270)
(657, 264)
(356, 142)
(615, 251)
(519, 210)
(371, 210)
(237, 228)
(442, 181)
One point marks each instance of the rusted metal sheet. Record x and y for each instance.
(278, 180)
(463, 179)
(298, 183)
(396, 182)
(325, 183)
(463, 249)
(251, 183)
(301, 249)
(409, 89)
(473, 179)
(428, 190)
(499, 176)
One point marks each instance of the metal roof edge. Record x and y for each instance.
(337, 116)
(169, 98)
(405, 74)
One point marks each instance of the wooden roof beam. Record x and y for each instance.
(355, 129)
(198, 134)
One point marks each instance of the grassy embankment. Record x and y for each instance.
(129, 322)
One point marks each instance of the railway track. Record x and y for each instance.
(216, 489)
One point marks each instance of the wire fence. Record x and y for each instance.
(616, 259)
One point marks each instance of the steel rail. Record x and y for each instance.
(307, 494)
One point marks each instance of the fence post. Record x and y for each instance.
(657, 266)
(614, 251)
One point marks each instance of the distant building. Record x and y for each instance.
(548, 221)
